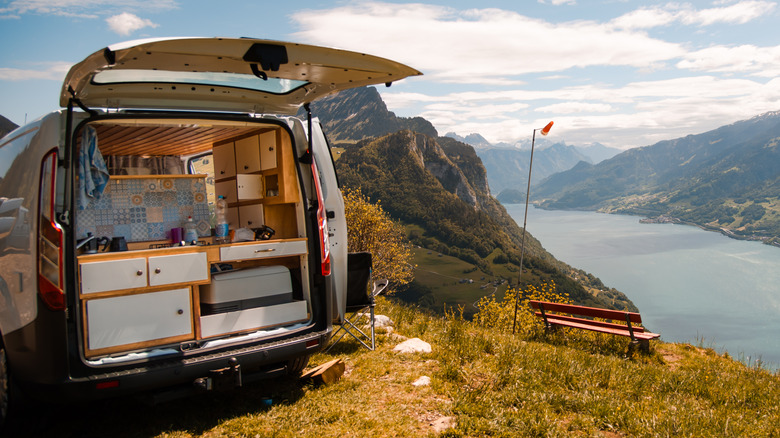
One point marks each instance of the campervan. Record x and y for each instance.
(112, 281)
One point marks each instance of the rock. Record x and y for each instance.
(422, 381)
(414, 345)
(443, 424)
(382, 321)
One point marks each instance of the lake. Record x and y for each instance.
(690, 285)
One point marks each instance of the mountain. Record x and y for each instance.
(508, 168)
(475, 140)
(358, 113)
(726, 179)
(597, 152)
(507, 164)
(438, 188)
(6, 126)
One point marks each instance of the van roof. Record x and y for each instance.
(221, 74)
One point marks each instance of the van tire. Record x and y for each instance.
(296, 366)
(5, 387)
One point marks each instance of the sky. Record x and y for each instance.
(618, 72)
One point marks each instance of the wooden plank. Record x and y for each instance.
(592, 322)
(327, 373)
(585, 324)
(592, 312)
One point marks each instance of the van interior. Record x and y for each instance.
(144, 287)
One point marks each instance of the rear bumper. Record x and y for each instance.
(162, 379)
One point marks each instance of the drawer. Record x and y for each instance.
(251, 319)
(113, 275)
(131, 319)
(189, 268)
(262, 250)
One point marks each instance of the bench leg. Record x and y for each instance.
(642, 344)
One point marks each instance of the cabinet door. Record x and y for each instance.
(113, 275)
(224, 161)
(227, 189)
(247, 155)
(137, 318)
(178, 268)
(249, 187)
(251, 216)
(267, 150)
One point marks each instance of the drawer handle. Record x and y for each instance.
(265, 250)
(180, 312)
(139, 272)
(157, 270)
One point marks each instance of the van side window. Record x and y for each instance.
(50, 267)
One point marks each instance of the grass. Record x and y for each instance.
(491, 383)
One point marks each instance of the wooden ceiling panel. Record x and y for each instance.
(155, 140)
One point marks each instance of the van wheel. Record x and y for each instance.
(296, 366)
(5, 387)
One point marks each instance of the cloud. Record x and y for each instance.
(91, 9)
(48, 71)
(484, 44)
(758, 61)
(665, 15)
(127, 23)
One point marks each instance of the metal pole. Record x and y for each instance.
(525, 222)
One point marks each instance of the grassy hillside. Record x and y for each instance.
(484, 382)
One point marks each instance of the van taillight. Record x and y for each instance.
(50, 275)
(322, 222)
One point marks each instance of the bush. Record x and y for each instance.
(370, 229)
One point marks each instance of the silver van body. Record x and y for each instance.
(100, 294)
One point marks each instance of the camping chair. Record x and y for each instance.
(359, 300)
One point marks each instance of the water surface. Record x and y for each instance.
(690, 285)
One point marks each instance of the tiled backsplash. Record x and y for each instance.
(146, 208)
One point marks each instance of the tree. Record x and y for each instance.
(370, 229)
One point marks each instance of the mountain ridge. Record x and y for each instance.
(725, 179)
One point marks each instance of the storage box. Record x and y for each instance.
(246, 289)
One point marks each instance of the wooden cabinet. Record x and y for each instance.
(139, 300)
(224, 161)
(140, 320)
(247, 154)
(140, 272)
(251, 216)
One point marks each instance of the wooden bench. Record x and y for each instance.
(553, 316)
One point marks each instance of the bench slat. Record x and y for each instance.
(591, 322)
(587, 325)
(592, 312)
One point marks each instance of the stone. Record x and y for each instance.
(422, 381)
(414, 345)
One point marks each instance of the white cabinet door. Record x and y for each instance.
(113, 275)
(247, 155)
(251, 216)
(249, 187)
(267, 150)
(130, 319)
(224, 161)
(178, 268)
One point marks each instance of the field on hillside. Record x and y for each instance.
(483, 382)
(441, 279)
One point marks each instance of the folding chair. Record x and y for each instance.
(359, 300)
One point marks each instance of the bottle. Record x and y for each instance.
(221, 227)
(190, 232)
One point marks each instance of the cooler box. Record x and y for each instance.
(246, 289)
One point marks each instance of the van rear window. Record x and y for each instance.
(232, 80)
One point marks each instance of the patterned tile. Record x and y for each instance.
(145, 208)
